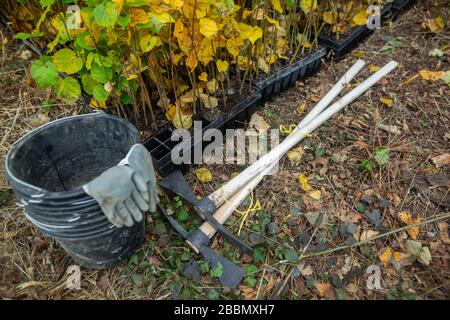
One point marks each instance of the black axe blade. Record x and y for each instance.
(232, 274)
(176, 183)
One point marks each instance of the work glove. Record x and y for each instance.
(121, 193)
(140, 160)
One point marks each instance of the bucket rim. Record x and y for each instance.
(41, 192)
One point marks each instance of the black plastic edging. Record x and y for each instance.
(344, 46)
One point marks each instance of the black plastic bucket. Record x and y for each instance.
(47, 169)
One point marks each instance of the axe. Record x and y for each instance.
(237, 189)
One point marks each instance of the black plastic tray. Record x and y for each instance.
(161, 145)
(343, 46)
(287, 76)
(400, 6)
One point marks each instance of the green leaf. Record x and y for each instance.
(46, 3)
(251, 269)
(259, 254)
(360, 207)
(67, 61)
(105, 14)
(100, 73)
(88, 83)
(217, 271)
(250, 281)
(366, 165)
(213, 295)
(67, 89)
(44, 73)
(23, 36)
(81, 41)
(381, 156)
(99, 93)
(290, 255)
(182, 215)
(124, 21)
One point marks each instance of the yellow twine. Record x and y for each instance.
(244, 214)
(291, 129)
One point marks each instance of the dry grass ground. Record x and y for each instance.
(33, 266)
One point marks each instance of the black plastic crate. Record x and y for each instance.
(400, 6)
(343, 46)
(287, 76)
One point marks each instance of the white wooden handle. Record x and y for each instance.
(227, 209)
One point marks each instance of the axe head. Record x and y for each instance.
(232, 274)
(176, 183)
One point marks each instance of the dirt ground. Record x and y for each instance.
(373, 165)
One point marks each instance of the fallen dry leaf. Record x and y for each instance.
(258, 123)
(325, 290)
(374, 68)
(315, 194)
(387, 102)
(441, 160)
(368, 234)
(407, 219)
(295, 155)
(304, 184)
(431, 75)
(390, 129)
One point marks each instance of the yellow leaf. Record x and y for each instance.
(440, 22)
(204, 175)
(273, 21)
(407, 219)
(222, 66)
(307, 5)
(262, 64)
(385, 255)
(431, 75)
(301, 108)
(386, 101)
(250, 33)
(118, 4)
(208, 27)
(212, 86)
(178, 118)
(304, 184)
(174, 4)
(295, 155)
(374, 68)
(209, 102)
(316, 194)
(277, 5)
(97, 105)
(328, 17)
(148, 42)
(138, 16)
(191, 60)
(368, 234)
(360, 19)
(203, 76)
(359, 54)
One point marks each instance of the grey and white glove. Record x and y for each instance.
(122, 194)
(140, 160)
